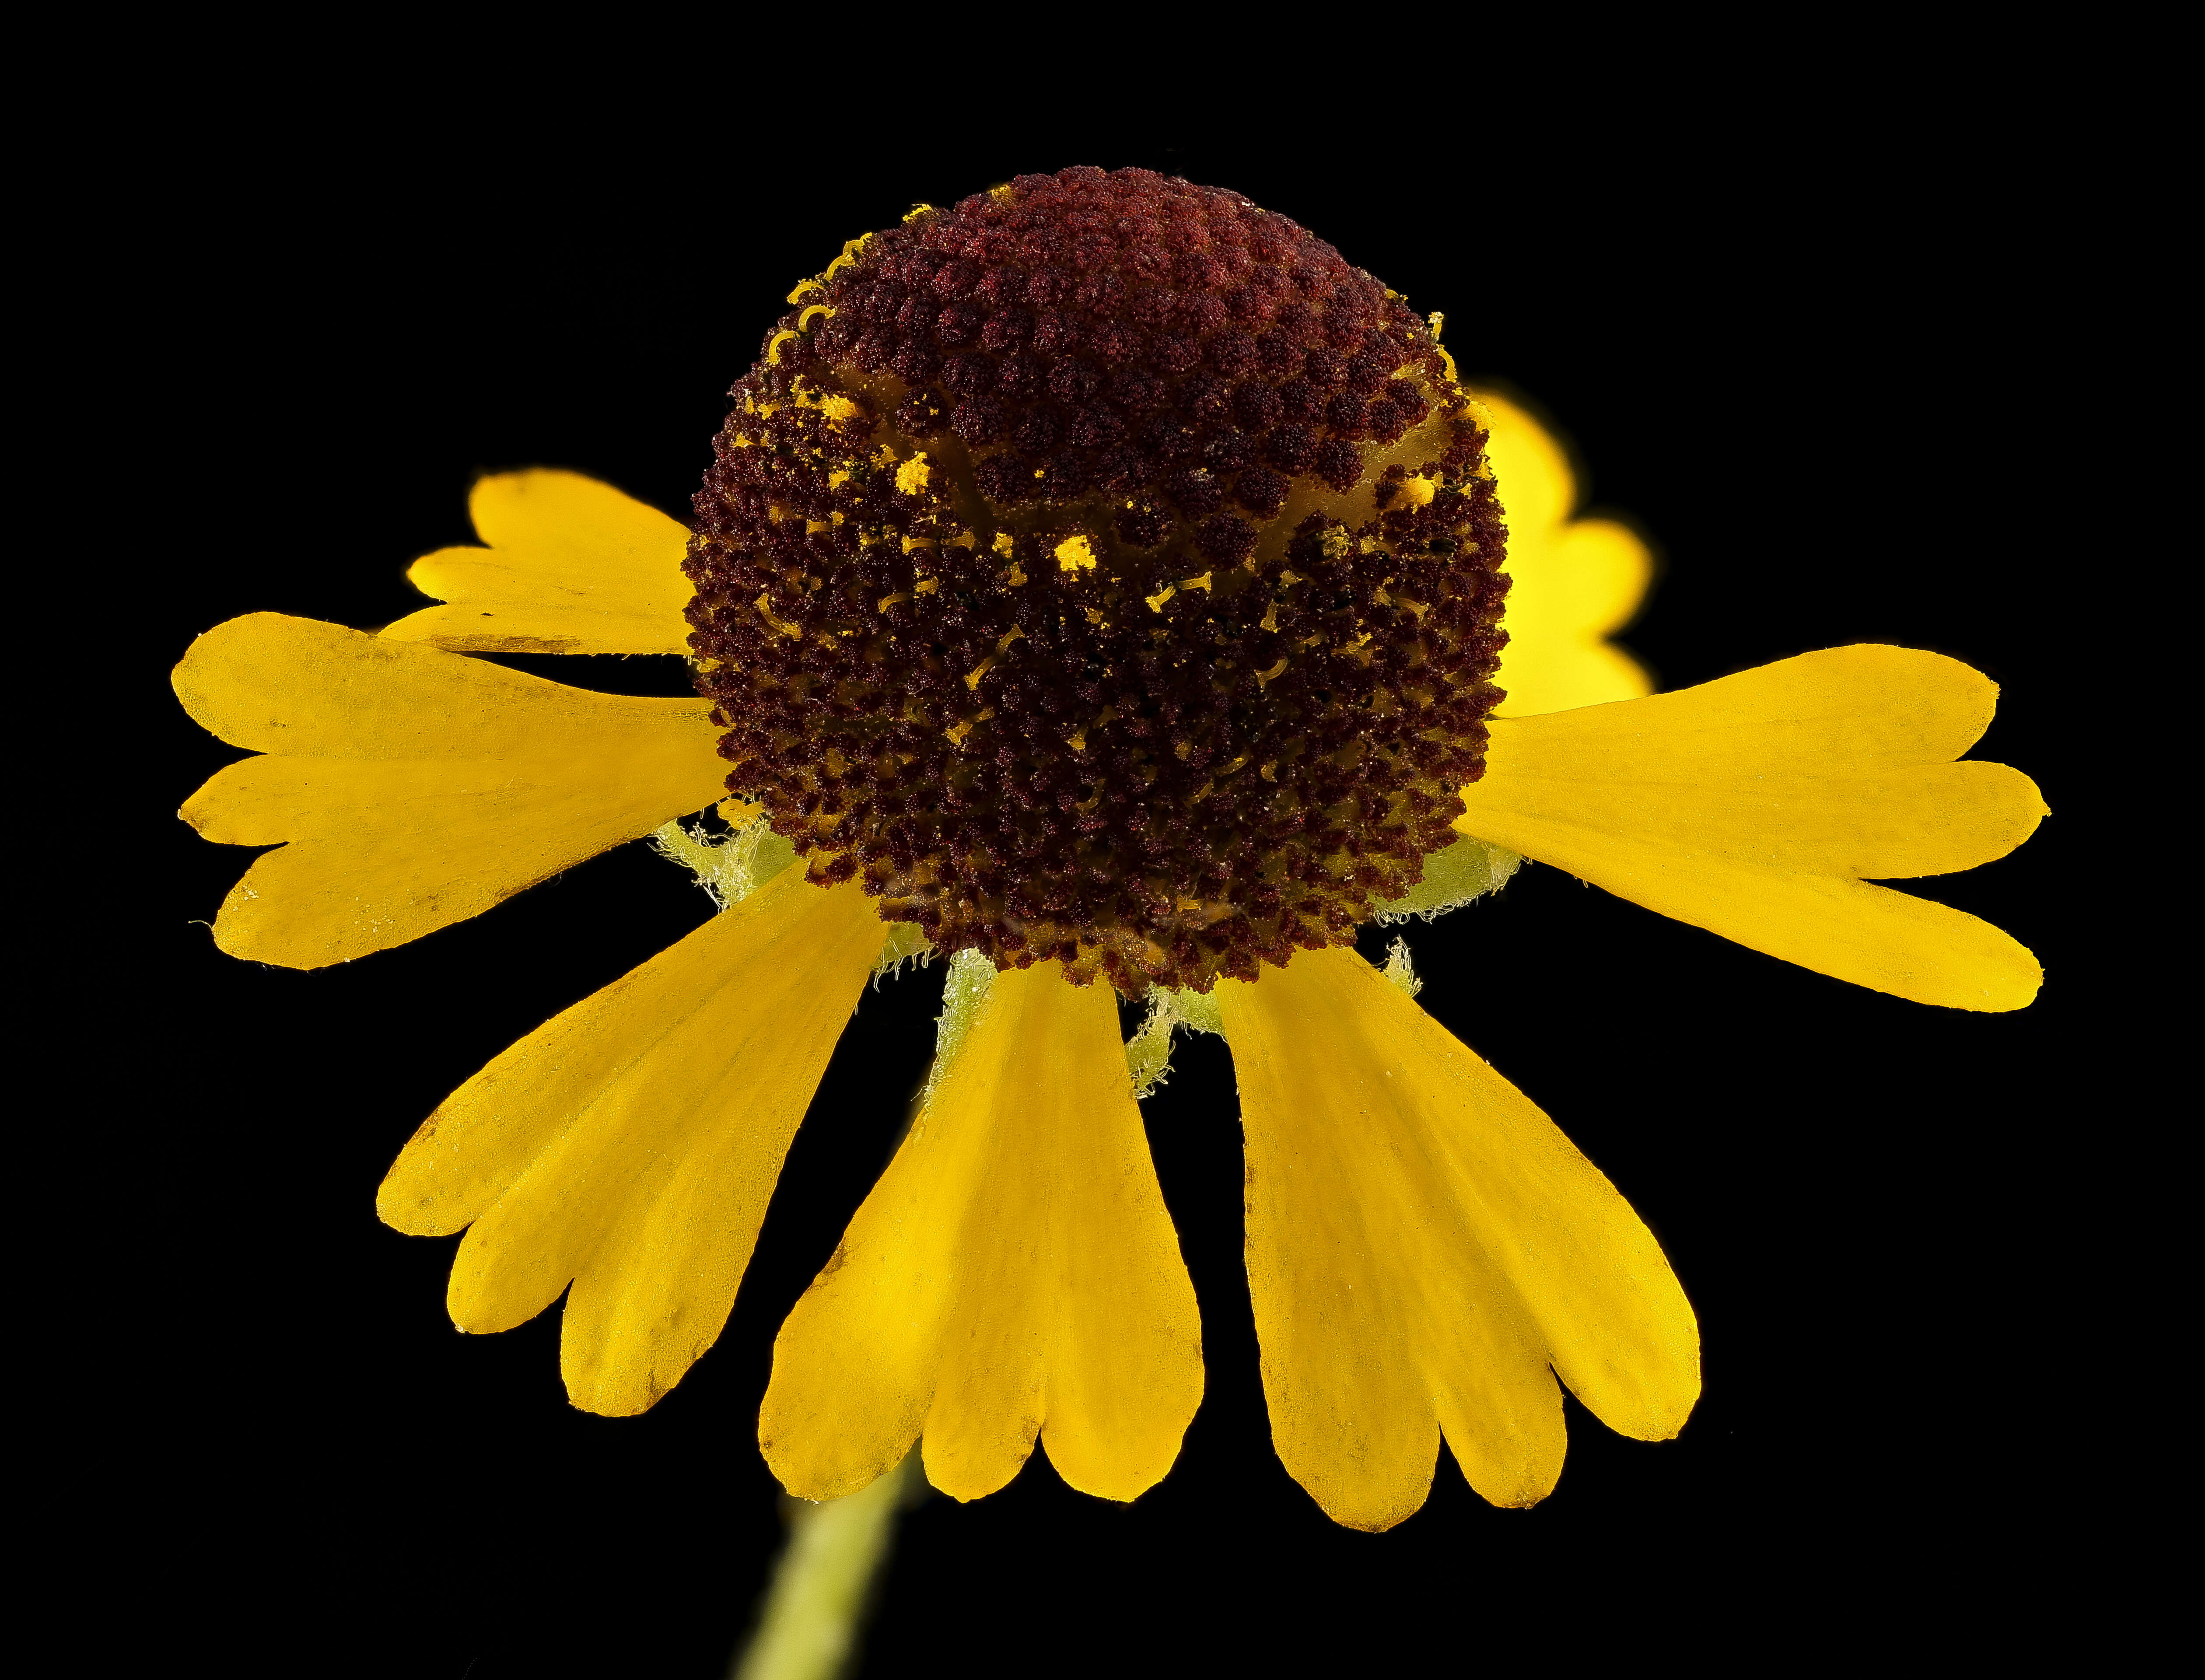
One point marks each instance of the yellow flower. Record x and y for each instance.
(1427, 1252)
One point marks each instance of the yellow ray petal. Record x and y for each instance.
(1576, 582)
(1754, 805)
(1013, 1273)
(572, 567)
(632, 1143)
(1421, 1243)
(415, 788)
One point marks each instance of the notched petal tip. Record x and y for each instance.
(407, 1199)
(801, 1479)
(2006, 976)
(625, 1151)
(1760, 806)
(406, 789)
(1427, 1252)
(1014, 1276)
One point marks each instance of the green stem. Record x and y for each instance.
(822, 1586)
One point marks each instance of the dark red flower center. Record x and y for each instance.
(1103, 570)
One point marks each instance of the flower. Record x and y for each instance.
(1098, 582)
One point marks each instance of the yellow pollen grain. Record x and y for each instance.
(850, 250)
(838, 478)
(1003, 543)
(764, 605)
(926, 586)
(912, 476)
(739, 813)
(1075, 554)
(1439, 320)
(1419, 493)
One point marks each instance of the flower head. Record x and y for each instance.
(1104, 572)
(1098, 582)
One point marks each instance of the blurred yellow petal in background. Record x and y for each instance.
(1575, 582)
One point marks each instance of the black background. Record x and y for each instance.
(1778, 327)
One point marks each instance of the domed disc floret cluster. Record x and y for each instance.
(1103, 571)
